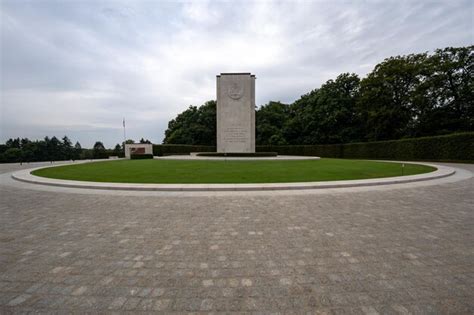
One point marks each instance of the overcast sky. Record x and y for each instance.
(77, 68)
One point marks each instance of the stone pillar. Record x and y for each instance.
(235, 112)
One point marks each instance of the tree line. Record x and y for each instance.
(54, 149)
(402, 97)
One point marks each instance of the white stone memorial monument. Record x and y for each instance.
(235, 113)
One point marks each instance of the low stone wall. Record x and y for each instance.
(138, 148)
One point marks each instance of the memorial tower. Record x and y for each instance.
(236, 113)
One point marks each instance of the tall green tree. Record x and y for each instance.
(66, 147)
(118, 150)
(48, 149)
(13, 155)
(449, 92)
(270, 120)
(98, 146)
(54, 149)
(145, 141)
(98, 151)
(196, 125)
(77, 151)
(403, 96)
(29, 150)
(13, 143)
(326, 115)
(388, 97)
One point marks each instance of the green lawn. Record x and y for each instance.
(175, 171)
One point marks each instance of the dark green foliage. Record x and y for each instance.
(454, 147)
(327, 114)
(419, 95)
(269, 121)
(403, 97)
(141, 156)
(66, 148)
(13, 143)
(98, 146)
(196, 125)
(76, 153)
(12, 155)
(49, 149)
(449, 91)
(98, 151)
(238, 154)
(388, 97)
(128, 141)
(171, 149)
(87, 154)
(118, 151)
(145, 141)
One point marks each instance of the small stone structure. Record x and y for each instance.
(235, 112)
(138, 148)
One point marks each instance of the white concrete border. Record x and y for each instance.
(193, 156)
(441, 172)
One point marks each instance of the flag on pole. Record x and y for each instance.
(124, 122)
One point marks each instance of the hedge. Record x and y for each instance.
(172, 149)
(141, 156)
(238, 154)
(455, 148)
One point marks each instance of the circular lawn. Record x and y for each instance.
(211, 171)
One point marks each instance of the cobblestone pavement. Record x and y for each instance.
(395, 251)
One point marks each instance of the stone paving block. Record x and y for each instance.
(162, 305)
(19, 300)
(117, 303)
(389, 251)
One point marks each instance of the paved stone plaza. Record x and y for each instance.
(387, 251)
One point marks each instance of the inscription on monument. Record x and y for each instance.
(235, 135)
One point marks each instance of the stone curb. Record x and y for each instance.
(194, 157)
(441, 172)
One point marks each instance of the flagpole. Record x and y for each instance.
(124, 134)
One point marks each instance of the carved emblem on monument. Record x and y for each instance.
(235, 91)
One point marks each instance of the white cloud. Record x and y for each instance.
(77, 68)
(201, 12)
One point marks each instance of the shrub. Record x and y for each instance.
(12, 155)
(172, 149)
(455, 148)
(458, 147)
(141, 156)
(238, 154)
